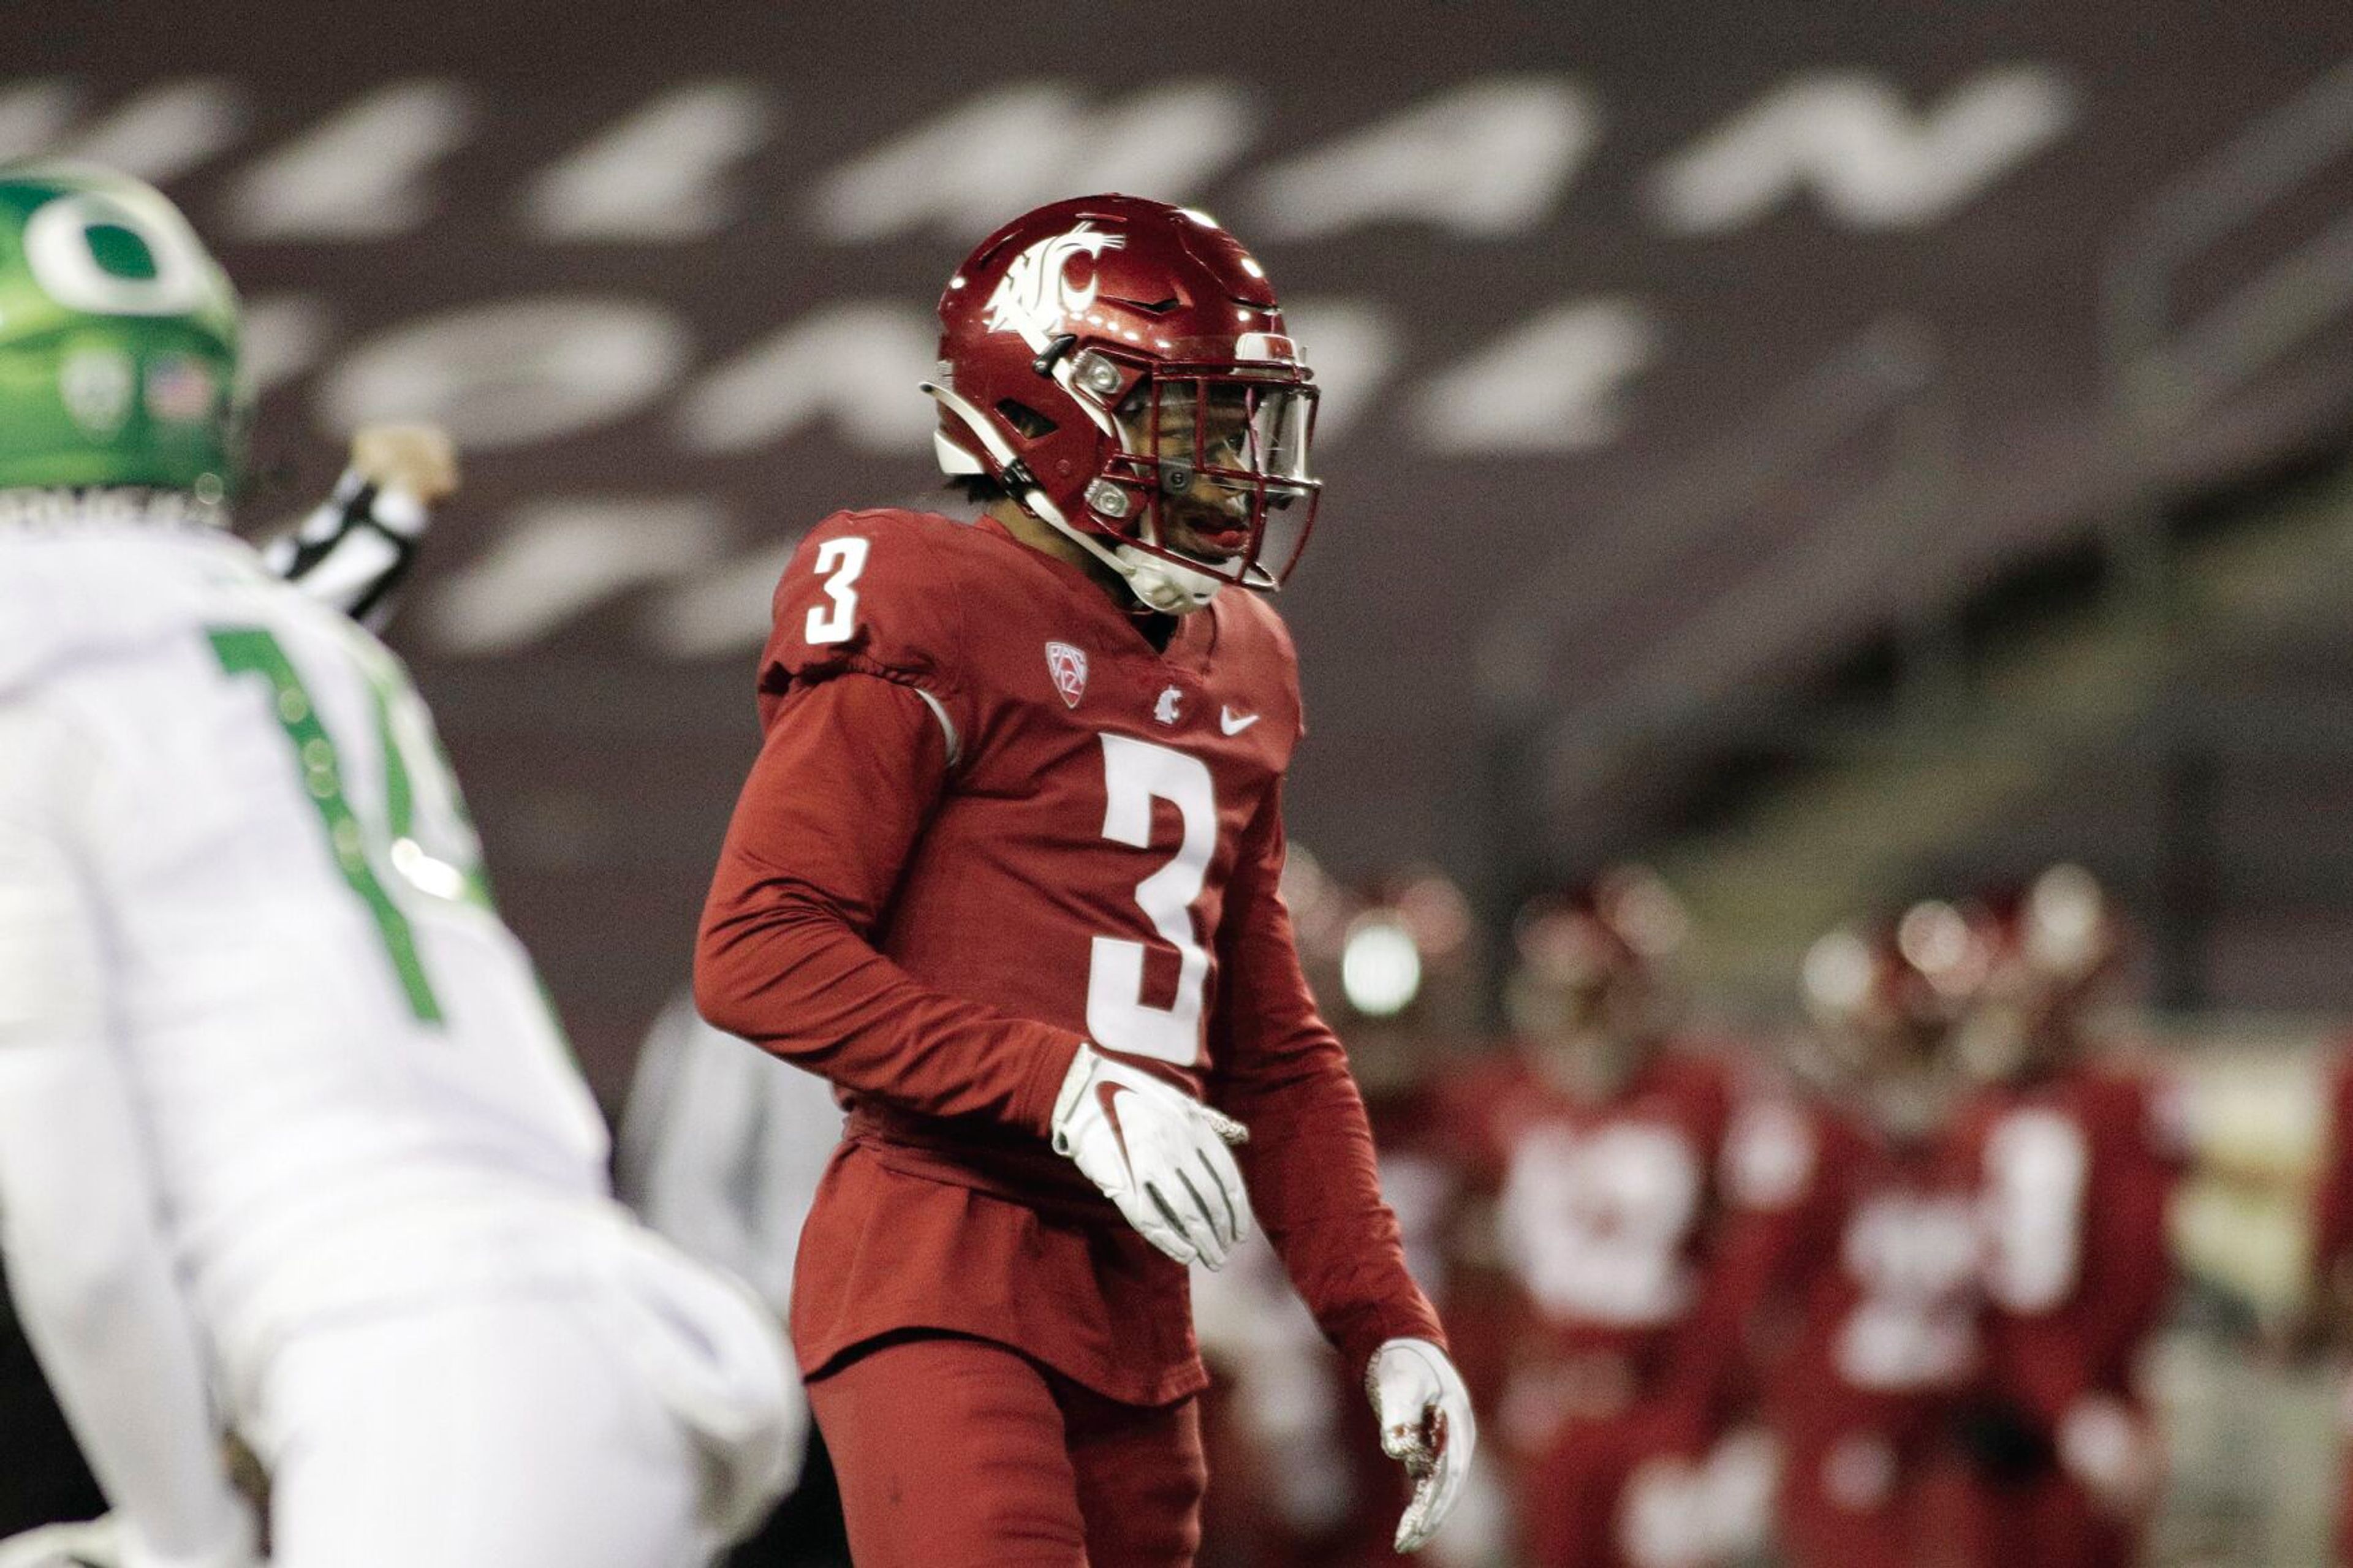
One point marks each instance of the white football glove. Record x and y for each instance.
(2112, 1455)
(1157, 1152)
(91, 1544)
(106, 1543)
(1426, 1425)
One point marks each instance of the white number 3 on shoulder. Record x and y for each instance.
(838, 562)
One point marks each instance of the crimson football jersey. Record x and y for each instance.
(2332, 1195)
(2332, 1244)
(1604, 1210)
(1874, 1245)
(1869, 1253)
(2077, 1171)
(1608, 1215)
(991, 819)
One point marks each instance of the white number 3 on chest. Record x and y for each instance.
(838, 562)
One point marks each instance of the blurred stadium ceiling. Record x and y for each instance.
(1670, 350)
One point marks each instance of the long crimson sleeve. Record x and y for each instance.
(2129, 1232)
(1744, 1260)
(850, 770)
(2332, 1210)
(1784, 1203)
(1310, 1163)
(2077, 1173)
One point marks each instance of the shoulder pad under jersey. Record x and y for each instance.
(875, 593)
(77, 597)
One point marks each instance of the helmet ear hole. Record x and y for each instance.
(1032, 424)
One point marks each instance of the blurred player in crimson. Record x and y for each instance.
(1598, 1140)
(1858, 1231)
(2076, 1157)
(2332, 1255)
(1005, 872)
(1297, 1479)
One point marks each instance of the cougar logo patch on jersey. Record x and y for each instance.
(1036, 293)
(1068, 666)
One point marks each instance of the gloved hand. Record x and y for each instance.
(418, 462)
(1157, 1152)
(106, 1543)
(91, 1544)
(2112, 1455)
(1426, 1425)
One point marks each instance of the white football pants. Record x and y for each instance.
(500, 1434)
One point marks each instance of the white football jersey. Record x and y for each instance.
(356, 1091)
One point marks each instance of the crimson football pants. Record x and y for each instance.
(961, 1453)
(1862, 1495)
(1569, 1500)
(2051, 1523)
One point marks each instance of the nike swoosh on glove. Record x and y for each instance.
(1157, 1152)
(1426, 1425)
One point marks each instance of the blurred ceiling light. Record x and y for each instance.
(1645, 911)
(2066, 920)
(1838, 972)
(1380, 968)
(1933, 936)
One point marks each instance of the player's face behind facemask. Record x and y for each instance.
(1886, 1006)
(1590, 993)
(1076, 310)
(1590, 1033)
(2056, 964)
(118, 344)
(1912, 1085)
(1230, 461)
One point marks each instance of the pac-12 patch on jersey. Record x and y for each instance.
(1069, 667)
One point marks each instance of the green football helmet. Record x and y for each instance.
(118, 338)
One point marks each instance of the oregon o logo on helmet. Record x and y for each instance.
(63, 257)
(1036, 291)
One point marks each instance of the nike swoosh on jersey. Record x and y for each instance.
(1234, 723)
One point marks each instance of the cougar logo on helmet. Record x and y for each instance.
(1036, 293)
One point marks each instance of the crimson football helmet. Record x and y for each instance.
(1887, 1004)
(1592, 988)
(1119, 366)
(2054, 946)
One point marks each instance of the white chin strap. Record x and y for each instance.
(1164, 585)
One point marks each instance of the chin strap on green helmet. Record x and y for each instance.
(118, 339)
